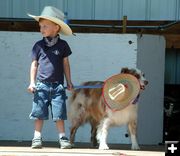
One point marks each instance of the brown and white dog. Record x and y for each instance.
(86, 105)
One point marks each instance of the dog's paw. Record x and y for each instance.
(135, 147)
(103, 147)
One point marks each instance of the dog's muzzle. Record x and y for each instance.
(143, 86)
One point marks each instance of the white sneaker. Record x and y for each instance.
(36, 143)
(64, 143)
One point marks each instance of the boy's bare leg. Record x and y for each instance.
(38, 124)
(63, 141)
(37, 141)
(60, 126)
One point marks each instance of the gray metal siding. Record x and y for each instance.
(20, 8)
(96, 9)
(5, 8)
(163, 9)
(178, 9)
(56, 3)
(107, 9)
(80, 9)
(135, 9)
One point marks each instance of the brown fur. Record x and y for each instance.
(87, 106)
(83, 110)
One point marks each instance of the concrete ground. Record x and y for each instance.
(81, 149)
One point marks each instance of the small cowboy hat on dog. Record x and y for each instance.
(120, 90)
(56, 16)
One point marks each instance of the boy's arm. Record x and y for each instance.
(67, 73)
(33, 73)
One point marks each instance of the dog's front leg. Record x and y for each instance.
(102, 134)
(133, 131)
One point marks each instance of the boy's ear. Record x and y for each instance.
(58, 28)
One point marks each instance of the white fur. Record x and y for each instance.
(87, 105)
(117, 118)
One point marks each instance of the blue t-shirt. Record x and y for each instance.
(50, 60)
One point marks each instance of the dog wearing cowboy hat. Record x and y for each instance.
(114, 104)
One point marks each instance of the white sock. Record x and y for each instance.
(37, 134)
(61, 135)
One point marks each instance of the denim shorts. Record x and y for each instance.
(49, 96)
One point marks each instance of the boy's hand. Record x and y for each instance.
(31, 88)
(70, 86)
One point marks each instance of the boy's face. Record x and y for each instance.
(48, 28)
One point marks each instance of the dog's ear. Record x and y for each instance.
(124, 70)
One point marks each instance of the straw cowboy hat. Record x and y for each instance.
(56, 16)
(120, 90)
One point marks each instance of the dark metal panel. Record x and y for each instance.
(178, 68)
(171, 66)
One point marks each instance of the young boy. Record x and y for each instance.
(49, 65)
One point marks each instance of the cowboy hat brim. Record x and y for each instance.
(120, 90)
(65, 29)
